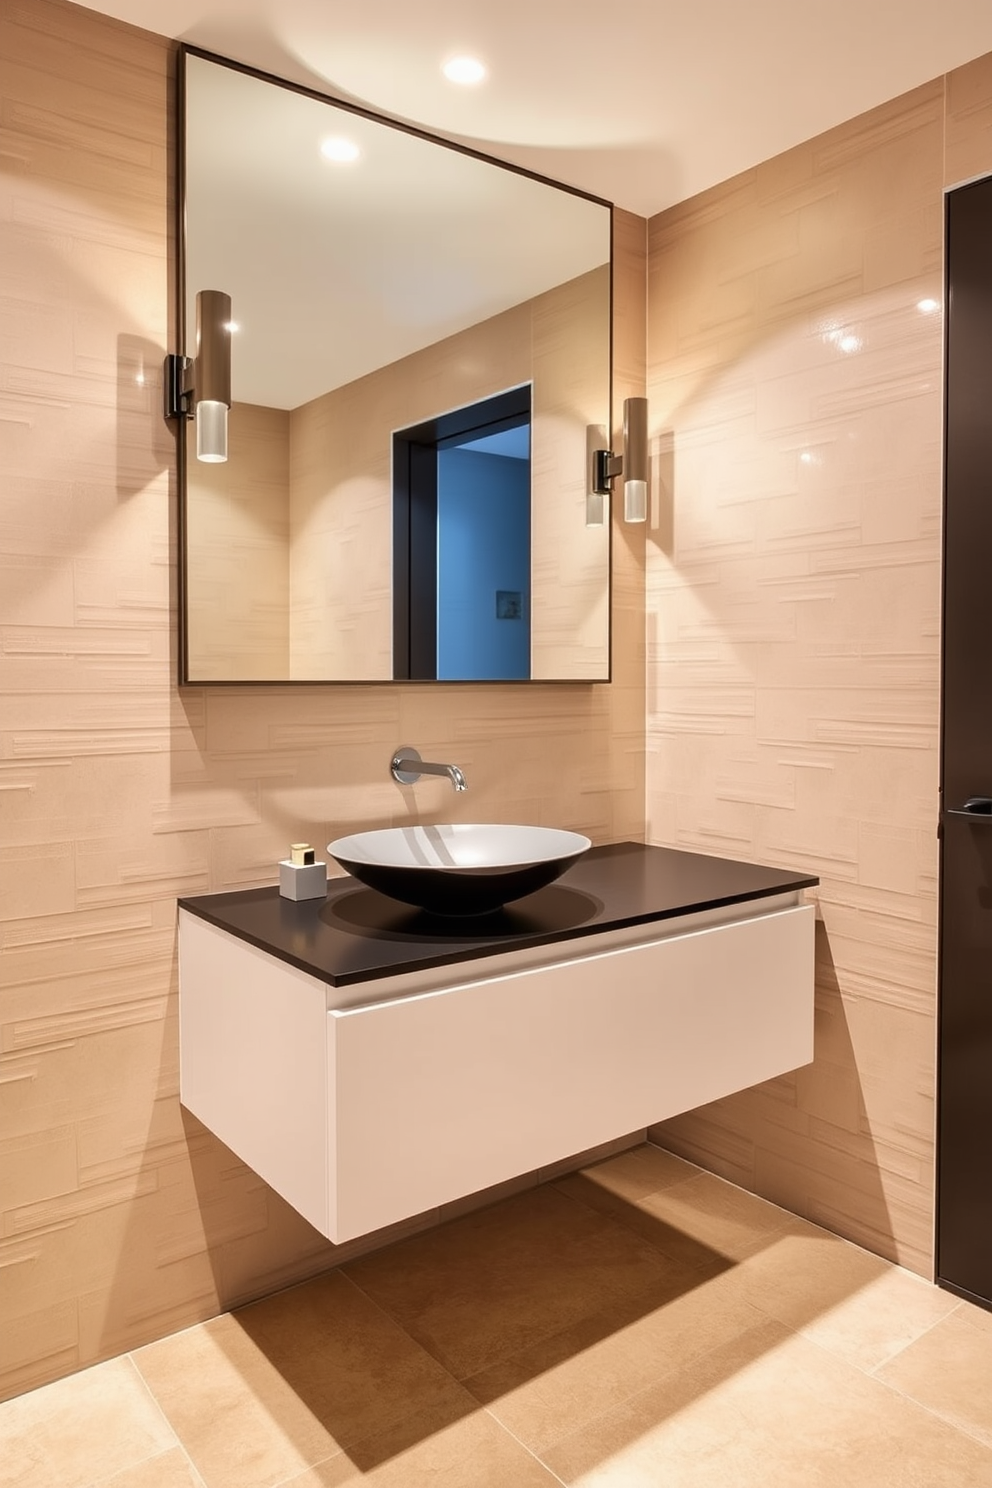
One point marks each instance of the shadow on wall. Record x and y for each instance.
(254, 1241)
(661, 517)
(81, 425)
(145, 444)
(193, 1231)
(823, 1103)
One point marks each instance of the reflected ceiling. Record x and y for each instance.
(354, 265)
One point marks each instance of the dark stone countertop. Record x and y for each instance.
(357, 935)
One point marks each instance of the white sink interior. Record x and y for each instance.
(461, 845)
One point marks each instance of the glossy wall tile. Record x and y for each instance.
(795, 338)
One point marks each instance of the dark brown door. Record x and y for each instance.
(964, 1172)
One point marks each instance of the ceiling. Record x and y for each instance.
(645, 104)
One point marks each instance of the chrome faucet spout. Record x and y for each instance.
(407, 767)
(452, 771)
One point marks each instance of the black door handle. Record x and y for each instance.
(979, 808)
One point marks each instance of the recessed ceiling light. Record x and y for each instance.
(464, 70)
(341, 151)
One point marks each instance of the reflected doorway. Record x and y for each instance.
(461, 543)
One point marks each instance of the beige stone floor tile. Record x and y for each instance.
(258, 1396)
(551, 1389)
(169, 1470)
(241, 1422)
(881, 1318)
(639, 1171)
(949, 1370)
(484, 1287)
(79, 1430)
(695, 1222)
(849, 1301)
(770, 1410)
(474, 1452)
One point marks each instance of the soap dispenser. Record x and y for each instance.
(300, 877)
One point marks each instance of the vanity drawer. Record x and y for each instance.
(438, 1095)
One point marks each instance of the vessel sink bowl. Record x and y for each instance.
(462, 869)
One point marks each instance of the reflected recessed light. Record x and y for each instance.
(232, 326)
(341, 151)
(465, 70)
(849, 343)
(928, 306)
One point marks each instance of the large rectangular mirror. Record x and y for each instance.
(420, 344)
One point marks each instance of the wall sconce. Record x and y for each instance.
(632, 464)
(200, 387)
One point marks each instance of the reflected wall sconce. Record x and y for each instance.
(596, 437)
(632, 465)
(200, 387)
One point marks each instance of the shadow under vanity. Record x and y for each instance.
(372, 1062)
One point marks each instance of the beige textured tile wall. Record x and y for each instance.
(121, 1219)
(793, 608)
(238, 541)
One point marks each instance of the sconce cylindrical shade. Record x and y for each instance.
(213, 346)
(211, 431)
(635, 459)
(212, 374)
(635, 501)
(595, 509)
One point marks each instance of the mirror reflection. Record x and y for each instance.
(388, 291)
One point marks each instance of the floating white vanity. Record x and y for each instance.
(371, 1062)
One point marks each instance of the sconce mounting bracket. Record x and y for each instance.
(606, 467)
(178, 389)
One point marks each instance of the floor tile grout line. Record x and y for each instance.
(135, 1366)
(582, 1172)
(897, 1353)
(973, 1434)
(618, 1219)
(786, 1223)
(904, 1395)
(144, 1462)
(161, 1410)
(976, 1434)
(314, 1467)
(384, 1311)
(645, 1387)
(535, 1456)
(462, 1382)
(788, 1215)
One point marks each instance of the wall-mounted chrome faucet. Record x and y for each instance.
(407, 767)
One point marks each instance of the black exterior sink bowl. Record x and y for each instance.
(462, 869)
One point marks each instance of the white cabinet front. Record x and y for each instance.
(366, 1115)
